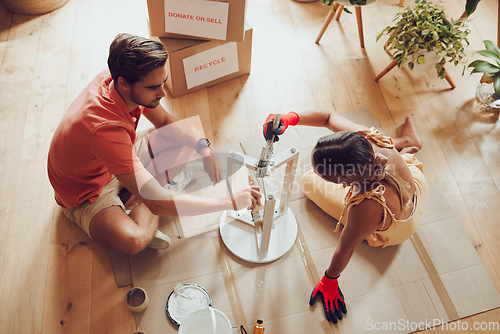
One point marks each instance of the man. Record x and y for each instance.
(92, 155)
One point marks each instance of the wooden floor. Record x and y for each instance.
(55, 280)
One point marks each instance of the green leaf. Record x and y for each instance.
(347, 10)
(482, 66)
(496, 85)
(326, 2)
(400, 47)
(490, 45)
(470, 6)
(440, 71)
(489, 54)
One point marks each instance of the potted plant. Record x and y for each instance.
(488, 91)
(422, 31)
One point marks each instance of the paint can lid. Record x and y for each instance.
(185, 299)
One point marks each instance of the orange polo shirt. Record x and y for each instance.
(94, 140)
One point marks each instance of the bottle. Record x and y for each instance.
(259, 327)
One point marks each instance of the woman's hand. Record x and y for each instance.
(292, 118)
(332, 298)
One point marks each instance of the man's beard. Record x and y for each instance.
(153, 104)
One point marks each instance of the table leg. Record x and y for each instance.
(359, 17)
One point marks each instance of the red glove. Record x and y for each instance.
(292, 118)
(331, 296)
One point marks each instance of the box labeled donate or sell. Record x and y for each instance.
(198, 19)
(194, 64)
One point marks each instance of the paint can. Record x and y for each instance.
(185, 299)
(206, 321)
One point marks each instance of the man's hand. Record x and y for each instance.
(331, 297)
(292, 118)
(211, 164)
(246, 198)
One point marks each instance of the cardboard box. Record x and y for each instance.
(198, 19)
(193, 65)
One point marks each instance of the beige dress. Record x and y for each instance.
(336, 200)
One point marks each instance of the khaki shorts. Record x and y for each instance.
(83, 214)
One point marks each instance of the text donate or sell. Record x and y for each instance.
(199, 18)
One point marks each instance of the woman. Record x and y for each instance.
(372, 184)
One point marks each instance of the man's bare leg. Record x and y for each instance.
(408, 141)
(124, 233)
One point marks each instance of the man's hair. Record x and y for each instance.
(132, 57)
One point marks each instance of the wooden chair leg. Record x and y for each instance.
(325, 25)
(359, 18)
(386, 70)
(401, 3)
(450, 81)
(339, 10)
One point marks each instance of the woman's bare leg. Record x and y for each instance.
(408, 141)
